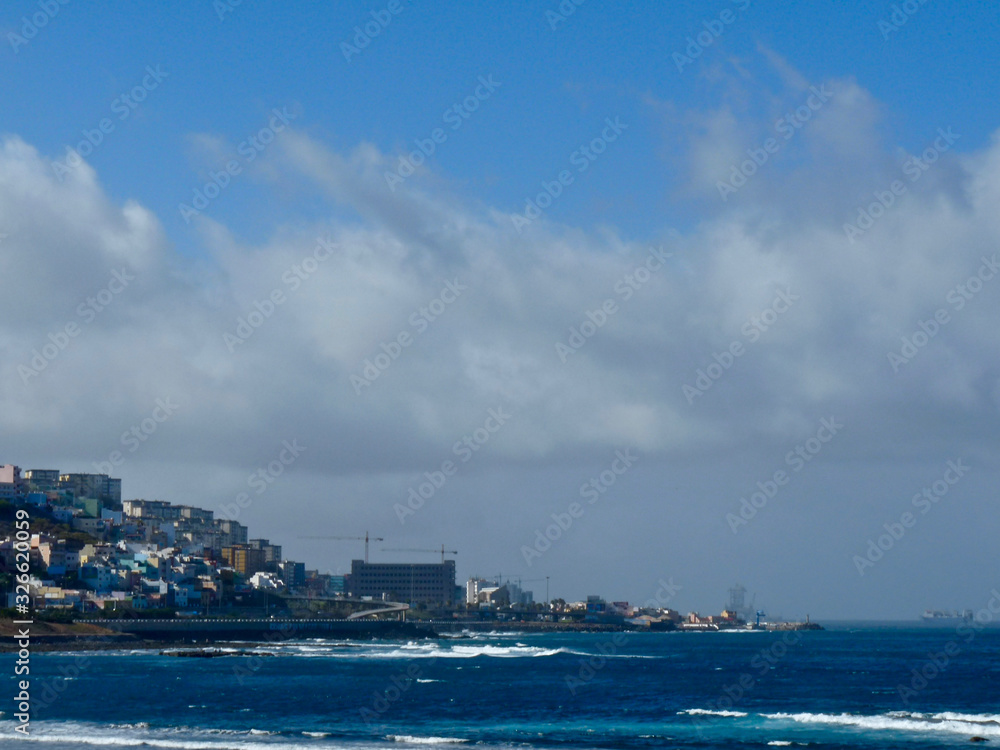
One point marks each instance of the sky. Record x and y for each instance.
(614, 295)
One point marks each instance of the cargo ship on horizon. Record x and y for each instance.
(945, 617)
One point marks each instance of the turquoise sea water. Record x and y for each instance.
(851, 686)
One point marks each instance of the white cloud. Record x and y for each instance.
(163, 335)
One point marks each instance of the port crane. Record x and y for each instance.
(353, 538)
(737, 602)
(442, 551)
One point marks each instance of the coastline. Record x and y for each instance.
(142, 635)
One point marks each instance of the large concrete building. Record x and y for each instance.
(188, 526)
(11, 483)
(42, 480)
(272, 552)
(98, 486)
(429, 583)
(243, 559)
(233, 532)
(472, 589)
(292, 573)
(157, 510)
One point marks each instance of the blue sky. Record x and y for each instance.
(557, 87)
(788, 265)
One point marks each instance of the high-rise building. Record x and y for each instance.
(232, 532)
(292, 573)
(159, 510)
(244, 559)
(42, 480)
(98, 486)
(472, 589)
(272, 552)
(432, 583)
(196, 514)
(11, 483)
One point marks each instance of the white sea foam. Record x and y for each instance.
(948, 716)
(709, 712)
(972, 718)
(949, 722)
(108, 740)
(180, 738)
(458, 651)
(444, 649)
(395, 651)
(410, 739)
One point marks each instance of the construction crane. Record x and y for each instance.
(511, 579)
(435, 551)
(353, 538)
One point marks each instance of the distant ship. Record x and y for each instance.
(941, 617)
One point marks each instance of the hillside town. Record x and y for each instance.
(93, 554)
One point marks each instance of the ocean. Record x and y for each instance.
(850, 686)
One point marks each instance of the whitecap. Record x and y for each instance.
(710, 712)
(954, 723)
(424, 740)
